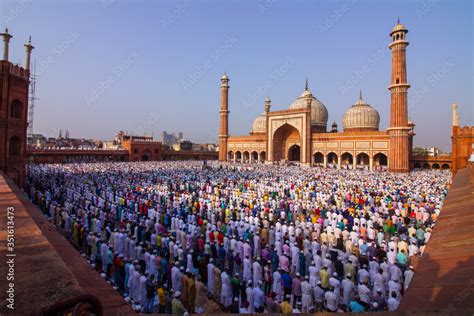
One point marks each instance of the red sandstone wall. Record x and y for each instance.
(462, 142)
(14, 84)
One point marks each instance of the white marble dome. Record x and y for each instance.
(319, 113)
(259, 124)
(361, 116)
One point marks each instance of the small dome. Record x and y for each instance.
(224, 76)
(260, 124)
(410, 122)
(319, 113)
(399, 27)
(361, 116)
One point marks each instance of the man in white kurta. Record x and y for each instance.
(306, 298)
(247, 273)
(226, 290)
(257, 272)
(347, 290)
(277, 286)
(210, 276)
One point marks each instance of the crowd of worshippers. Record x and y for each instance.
(250, 238)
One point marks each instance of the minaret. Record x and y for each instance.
(454, 134)
(398, 159)
(454, 108)
(305, 151)
(29, 48)
(268, 105)
(6, 42)
(224, 117)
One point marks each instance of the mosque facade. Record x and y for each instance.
(301, 134)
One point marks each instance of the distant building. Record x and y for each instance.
(433, 151)
(38, 141)
(426, 151)
(141, 148)
(170, 139)
(205, 147)
(184, 144)
(110, 145)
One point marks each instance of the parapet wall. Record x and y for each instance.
(14, 69)
(40, 277)
(47, 268)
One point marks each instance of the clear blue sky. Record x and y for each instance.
(148, 66)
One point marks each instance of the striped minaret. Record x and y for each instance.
(224, 118)
(398, 160)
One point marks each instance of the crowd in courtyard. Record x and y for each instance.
(251, 237)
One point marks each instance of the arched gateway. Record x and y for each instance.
(286, 143)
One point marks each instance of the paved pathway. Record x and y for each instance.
(444, 276)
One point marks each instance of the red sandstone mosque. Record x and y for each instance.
(300, 133)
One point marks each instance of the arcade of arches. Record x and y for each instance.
(247, 157)
(377, 161)
(348, 160)
(426, 165)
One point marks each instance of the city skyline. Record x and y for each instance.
(133, 76)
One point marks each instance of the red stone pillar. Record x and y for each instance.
(399, 129)
(224, 118)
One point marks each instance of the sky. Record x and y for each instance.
(148, 66)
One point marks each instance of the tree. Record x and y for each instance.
(419, 151)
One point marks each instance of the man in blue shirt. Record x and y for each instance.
(287, 282)
(258, 298)
(355, 305)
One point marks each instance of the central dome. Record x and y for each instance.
(361, 117)
(319, 113)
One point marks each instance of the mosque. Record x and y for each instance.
(300, 133)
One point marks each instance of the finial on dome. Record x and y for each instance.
(306, 86)
(360, 94)
(398, 20)
(29, 39)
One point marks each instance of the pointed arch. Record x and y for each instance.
(284, 138)
(254, 156)
(318, 159)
